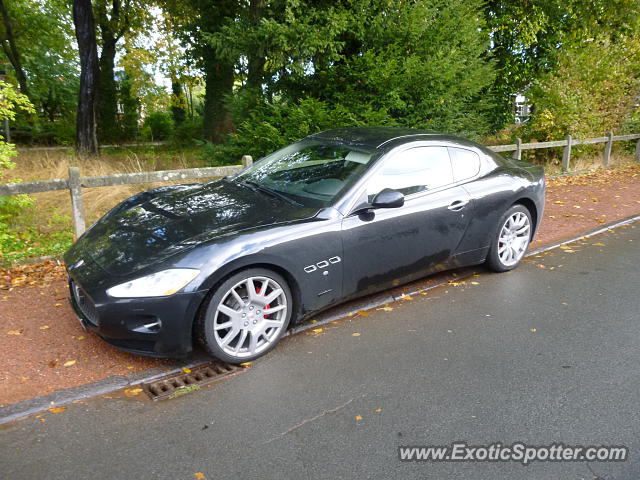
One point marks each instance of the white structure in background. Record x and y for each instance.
(521, 107)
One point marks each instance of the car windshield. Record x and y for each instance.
(310, 171)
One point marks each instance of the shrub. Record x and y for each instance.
(157, 126)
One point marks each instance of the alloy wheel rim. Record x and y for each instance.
(250, 316)
(514, 239)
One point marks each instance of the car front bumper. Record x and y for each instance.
(158, 327)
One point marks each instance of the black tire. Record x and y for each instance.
(494, 260)
(209, 315)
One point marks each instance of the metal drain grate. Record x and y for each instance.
(175, 384)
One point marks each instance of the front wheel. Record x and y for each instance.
(246, 316)
(511, 240)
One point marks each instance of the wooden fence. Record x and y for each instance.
(75, 183)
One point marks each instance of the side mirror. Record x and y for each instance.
(388, 198)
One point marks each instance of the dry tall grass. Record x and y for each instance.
(52, 210)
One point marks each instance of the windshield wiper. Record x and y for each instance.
(269, 191)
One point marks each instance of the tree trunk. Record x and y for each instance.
(219, 75)
(108, 129)
(86, 138)
(255, 59)
(10, 49)
(177, 102)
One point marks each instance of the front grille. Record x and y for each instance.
(84, 303)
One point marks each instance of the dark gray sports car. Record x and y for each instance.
(340, 214)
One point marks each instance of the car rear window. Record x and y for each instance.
(465, 163)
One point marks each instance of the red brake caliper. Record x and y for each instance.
(266, 307)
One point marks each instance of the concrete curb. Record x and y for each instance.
(34, 405)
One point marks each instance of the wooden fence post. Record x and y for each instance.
(247, 161)
(607, 150)
(77, 207)
(566, 154)
(519, 148)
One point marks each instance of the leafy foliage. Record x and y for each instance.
(593, 90)
(10, 101)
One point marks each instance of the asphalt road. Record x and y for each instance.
(547, 353)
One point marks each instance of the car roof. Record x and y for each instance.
(379, 137)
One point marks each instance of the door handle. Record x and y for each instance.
(458, 205)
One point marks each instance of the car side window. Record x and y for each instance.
(465, 163)
(412, 171)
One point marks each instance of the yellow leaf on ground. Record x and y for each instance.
(132, 392)
(378, 410)
(81, 337)
(358, 417)
(534, 330)
(598, 244)
(44, 327)
(406, 297)
(559, 202)
(245, 364)
(58, 304)
(356, 334)
(56, 409)
(14, 332)
(69, 363)
(199, 476)
(475, 283)
(186, 370)
(386, 309)
(363, 313)
(317, 330)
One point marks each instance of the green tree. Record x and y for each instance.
(593, 90)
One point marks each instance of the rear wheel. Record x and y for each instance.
(246, 316)
(511, 240)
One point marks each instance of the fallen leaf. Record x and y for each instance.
(186, 370)
(568, 250)
(53, 363)
(42, 420)
(70, 363)
(44, 327)
(356, 334)
(14, 332)
(475, 283)
(559, 202)
(132, 392)
(245, 364)
(199, 476)
(317, 330)
(406, 297)
(81, 337)
(533, 330)
(358, 417)
(378, 410)
(314, 321)
(363, 313)
(57, 409)
(58, 304)
(386, 309)
(598, 244)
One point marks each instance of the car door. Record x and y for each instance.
(387, 247)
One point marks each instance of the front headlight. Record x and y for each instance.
(158, 284)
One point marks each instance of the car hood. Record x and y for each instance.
(154, 225)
